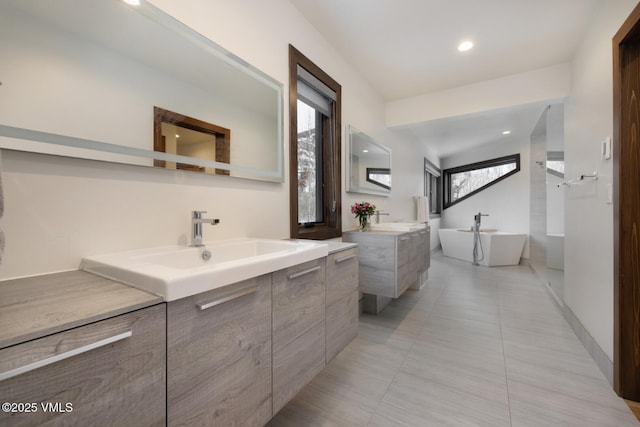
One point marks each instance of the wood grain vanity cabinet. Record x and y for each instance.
(231, 356)
(390, 262)
(341, 300)
(219, 356)
(111, 372)
(424, 250)
(298, 328)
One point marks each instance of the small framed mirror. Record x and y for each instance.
(368, 165)
(175, 133)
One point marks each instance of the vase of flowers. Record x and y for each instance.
(363, 212)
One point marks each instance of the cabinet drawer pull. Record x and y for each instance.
(339, 260)
(402, 239)
(303, 272)
(236, 295)
(58, 357)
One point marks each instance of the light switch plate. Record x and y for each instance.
(606, 148)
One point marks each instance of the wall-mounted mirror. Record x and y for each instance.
(81, 78)
(174, 133)
(369, 165)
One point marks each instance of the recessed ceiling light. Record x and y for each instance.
(132, 2)
(365, 151)
(506, 132)
(177, 136)
(465, 45)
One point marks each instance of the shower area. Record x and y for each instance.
(546, 232)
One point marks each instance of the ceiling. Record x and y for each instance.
(405, 48)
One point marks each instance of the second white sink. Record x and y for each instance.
(398, 226)
(175, 272)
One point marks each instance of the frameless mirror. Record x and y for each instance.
(369, 165)
(81, 78)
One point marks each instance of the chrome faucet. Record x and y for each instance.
(196, 227)
(477, 242)
(477, 220)
(378, 213)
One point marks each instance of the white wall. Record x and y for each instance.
(588, 218)
(59, 209)
(506, 202)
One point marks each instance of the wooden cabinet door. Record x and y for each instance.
(428, 249)
(342, 274)
(298, 300)
(298, 328)
(110, 372)
(342, 301)
(219, 356)
(377, 259)
(405, 267)
(423, 250)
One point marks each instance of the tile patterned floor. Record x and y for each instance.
(477, 347)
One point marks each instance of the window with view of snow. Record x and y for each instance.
(464, 181)
(315, 146)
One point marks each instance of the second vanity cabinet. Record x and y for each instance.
(390, 262)
(219, 356)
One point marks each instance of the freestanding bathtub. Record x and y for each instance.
(499, 248)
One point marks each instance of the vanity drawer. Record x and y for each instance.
(296, 364)
(423, 250)
(298, 328)
(375, 250)
(219, 356)
(110, 372)
(342, 274)
(342, 300)
(298, 300)
(403, 248)
(406, 276)
(342, 324)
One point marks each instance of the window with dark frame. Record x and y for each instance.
(462, 182)
(314, 114)
(432, 188)
(380, 177)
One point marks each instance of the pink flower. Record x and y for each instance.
(363, 209)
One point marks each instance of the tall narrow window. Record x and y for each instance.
(464, 181)
(432, 188)
(314, 106)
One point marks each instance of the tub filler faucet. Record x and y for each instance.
(477, 219)
(196, 227)
(477, 243)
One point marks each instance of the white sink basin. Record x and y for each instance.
(398, 226)
(175, 272)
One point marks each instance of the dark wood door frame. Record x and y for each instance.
(626, 185)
